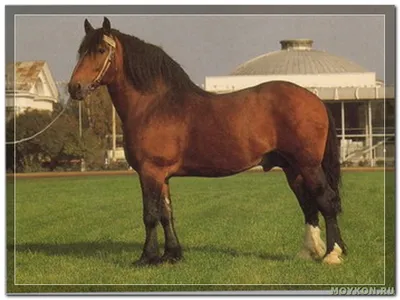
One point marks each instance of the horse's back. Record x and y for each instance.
(273, 106)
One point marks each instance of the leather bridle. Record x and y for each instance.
(106, 65)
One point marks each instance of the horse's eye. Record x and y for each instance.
(102, 50)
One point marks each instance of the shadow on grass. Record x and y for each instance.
(92, 249)
(81, 249)
(236, 253)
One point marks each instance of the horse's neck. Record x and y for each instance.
(124, 98)
(128, 101)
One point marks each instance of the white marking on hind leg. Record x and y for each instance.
(167, 204)
(313, 247)
(333, 258)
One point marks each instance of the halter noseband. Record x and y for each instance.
(111, 47)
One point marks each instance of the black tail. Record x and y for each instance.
(331, 162)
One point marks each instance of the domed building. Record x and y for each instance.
(355, 96)
(297, 57)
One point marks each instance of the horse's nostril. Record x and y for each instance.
(74, 88)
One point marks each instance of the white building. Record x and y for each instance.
(30, 85)
(355, 96)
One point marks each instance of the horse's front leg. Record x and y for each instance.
(173, 251)
(151, 185)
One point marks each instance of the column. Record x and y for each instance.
(114, 138)
(342, 146)
(366, 128)
(371, 157)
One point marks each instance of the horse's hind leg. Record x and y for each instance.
(325, 197)
(172, 251)
(313, 246)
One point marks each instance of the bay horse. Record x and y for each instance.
(172, 127)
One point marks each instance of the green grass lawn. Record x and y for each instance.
(242, 232)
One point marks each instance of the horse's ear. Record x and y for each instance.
(106, 26)
(88, 26)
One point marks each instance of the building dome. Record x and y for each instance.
(297, 57)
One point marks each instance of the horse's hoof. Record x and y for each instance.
(172, 255)
(145, 261)
(332, 260)
(305, 254)
(334, 257)
(313, 253)
(172, 259)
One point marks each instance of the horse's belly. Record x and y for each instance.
(217, 162)
(203, 171)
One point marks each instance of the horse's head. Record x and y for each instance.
(96, 65)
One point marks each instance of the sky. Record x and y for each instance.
(205, 45)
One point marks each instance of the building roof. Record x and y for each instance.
(26, 73)
(297, 57)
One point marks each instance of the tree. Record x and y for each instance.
(62, 142)
(29, 154)
(98, 114)
(59, 144)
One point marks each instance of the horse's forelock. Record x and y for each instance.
(91, 41)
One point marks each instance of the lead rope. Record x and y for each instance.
(41, 131)
(111, 43)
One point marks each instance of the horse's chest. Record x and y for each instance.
(131, 155)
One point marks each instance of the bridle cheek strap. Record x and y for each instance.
(111, 47)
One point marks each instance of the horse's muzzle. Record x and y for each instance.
(76, 91)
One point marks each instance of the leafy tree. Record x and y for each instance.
(62, 141)
(97, 111)
(59, 144)
(28, 155)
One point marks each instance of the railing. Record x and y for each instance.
(365, 150)
(360, 132)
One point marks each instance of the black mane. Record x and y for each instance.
(144, 63)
